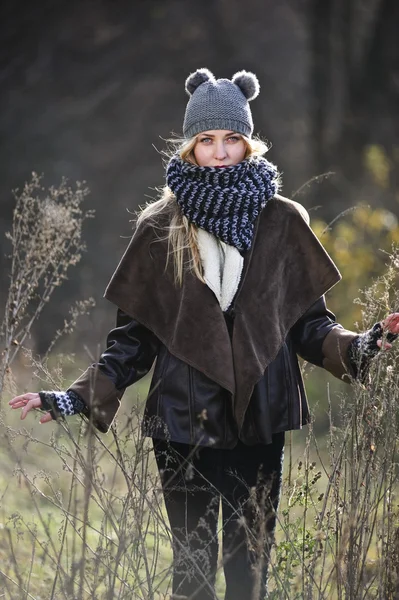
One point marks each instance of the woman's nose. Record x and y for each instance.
(220, 151)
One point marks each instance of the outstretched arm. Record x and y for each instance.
(131, 350)
(319, 339)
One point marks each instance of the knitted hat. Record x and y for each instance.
(219, 103)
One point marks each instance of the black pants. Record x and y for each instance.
(248, 481)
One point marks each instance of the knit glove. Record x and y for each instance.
(60, 404)
(364, 348)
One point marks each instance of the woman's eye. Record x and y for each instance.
(206, 140)
(233, 138)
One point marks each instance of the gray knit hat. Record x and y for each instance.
(219, 103)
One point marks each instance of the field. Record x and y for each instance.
(82, 515)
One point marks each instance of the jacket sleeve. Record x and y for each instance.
(320, 340)
(130, 353)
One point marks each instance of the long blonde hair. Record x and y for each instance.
(182, 234)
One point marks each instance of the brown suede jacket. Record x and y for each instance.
(286, 273)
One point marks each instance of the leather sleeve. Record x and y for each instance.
(131, 350)
(310, 330)
(130, 353)
(320, 340)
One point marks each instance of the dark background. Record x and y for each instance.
(87, 89)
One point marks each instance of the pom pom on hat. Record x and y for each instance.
(248, 84)
(197, 78)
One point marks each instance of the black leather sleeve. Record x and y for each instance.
(131, 351)
(310, 330)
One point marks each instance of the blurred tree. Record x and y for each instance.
(354, 93)
(88, 88)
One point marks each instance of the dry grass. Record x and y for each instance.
(81, 515)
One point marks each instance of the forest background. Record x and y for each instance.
(90, 90)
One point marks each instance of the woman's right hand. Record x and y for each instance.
(29, 402)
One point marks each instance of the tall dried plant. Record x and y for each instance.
(46, 241)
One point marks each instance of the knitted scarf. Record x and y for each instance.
(224, 201)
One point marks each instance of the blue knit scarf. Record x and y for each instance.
(224, 201)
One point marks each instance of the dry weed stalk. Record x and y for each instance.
(340, 541)
(46, 240)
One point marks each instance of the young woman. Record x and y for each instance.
(223, 284)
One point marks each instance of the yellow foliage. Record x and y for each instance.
(358, 243)
(378, 164)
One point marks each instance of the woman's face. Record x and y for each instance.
(219, 148)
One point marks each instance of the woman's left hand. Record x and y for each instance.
(390, 325)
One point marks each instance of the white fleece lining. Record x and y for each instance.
(222, 266)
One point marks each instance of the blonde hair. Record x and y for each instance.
(182, 235)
